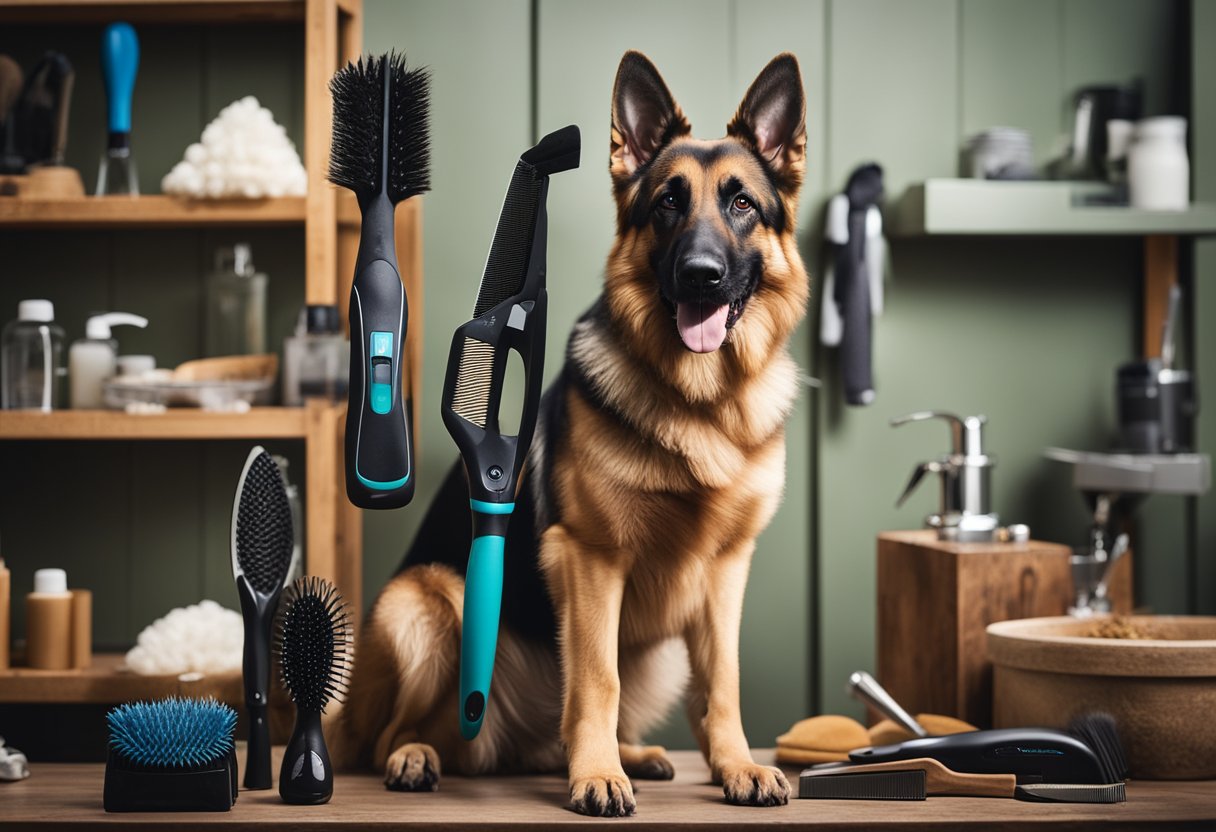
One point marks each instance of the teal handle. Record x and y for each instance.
(119, 63)
(479, 635)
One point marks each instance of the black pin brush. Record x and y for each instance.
(262, 545)
(381, 151)
(509, 314)
(313, 645)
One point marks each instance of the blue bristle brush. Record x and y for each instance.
(171, 755)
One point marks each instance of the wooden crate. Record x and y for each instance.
(935, 600)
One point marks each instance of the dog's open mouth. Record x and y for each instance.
(703, 325)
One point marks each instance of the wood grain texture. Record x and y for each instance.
(176, 423)
(103, 683)
(148, 211)
(68, 796)
(320, 231)
(150, 11)
(935, 601)
(1160, 275)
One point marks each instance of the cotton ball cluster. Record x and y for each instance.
(203, 638)
(243, 153)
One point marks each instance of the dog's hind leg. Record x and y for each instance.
(406, 659)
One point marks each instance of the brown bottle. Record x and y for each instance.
(48, 629)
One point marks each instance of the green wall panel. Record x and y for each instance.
(479, 55)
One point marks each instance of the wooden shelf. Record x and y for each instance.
(152, 211)
(979, 207)
(176, 423)
(104, 683)
(151, 11)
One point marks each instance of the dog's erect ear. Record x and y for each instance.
(644, 115)
(772, 118)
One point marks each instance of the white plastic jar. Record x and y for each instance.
(1158, 171)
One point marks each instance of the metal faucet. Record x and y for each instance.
(966, 480)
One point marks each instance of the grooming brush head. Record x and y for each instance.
(312, 641)
(1066, 793)
(1099, 731)
(262, 535)
(409, 144)
(172, 733)
(359, 159)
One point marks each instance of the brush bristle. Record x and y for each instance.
(357, 153)
(471, 400)
(264, 536)
(409, 160)
(313, 643)
(172, 733)
(1099, 731)
(507, 264)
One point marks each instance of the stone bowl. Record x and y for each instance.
(1161, 687)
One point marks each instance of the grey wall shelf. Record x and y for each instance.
(980, 207)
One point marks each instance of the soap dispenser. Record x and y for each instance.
(94, 358)
(965, 512)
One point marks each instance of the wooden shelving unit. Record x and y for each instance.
(332, 32)
(151, 211)
(976, 207)
(179, 423)
(980, 208)
(107, 683)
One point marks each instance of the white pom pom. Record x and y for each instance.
(243, 152)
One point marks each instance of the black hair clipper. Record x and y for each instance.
(381, 152)
(509, 315)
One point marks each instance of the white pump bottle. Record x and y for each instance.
(94, 358)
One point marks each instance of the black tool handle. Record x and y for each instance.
(306, 776)
(853, 283)
(379, 459)
(258, 611)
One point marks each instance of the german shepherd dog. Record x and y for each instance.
(659, 456)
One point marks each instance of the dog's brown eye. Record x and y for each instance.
(668, 201)
(743, 204)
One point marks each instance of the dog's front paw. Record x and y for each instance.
(608, 796)
(413, 767)
(755, 785)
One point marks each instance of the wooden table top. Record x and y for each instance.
(68, 795)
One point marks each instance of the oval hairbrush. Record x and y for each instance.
(313, 644)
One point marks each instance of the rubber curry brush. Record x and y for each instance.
(262, 548)
(381, 152)
(313, 645)
(172, 755)
(1084, 765)
(509, 315)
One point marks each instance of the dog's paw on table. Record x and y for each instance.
(412, 768)
(755, 785)
(609, 796)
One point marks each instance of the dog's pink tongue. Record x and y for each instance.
(702, 326)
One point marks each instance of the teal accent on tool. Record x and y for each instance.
(479, 634)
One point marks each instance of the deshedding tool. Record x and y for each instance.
(509, 314)
(262, 548)
(381, 152)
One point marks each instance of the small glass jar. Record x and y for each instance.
(1158, 170)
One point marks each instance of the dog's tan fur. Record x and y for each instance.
(661, 499)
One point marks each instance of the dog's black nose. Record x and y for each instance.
(701, 271)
